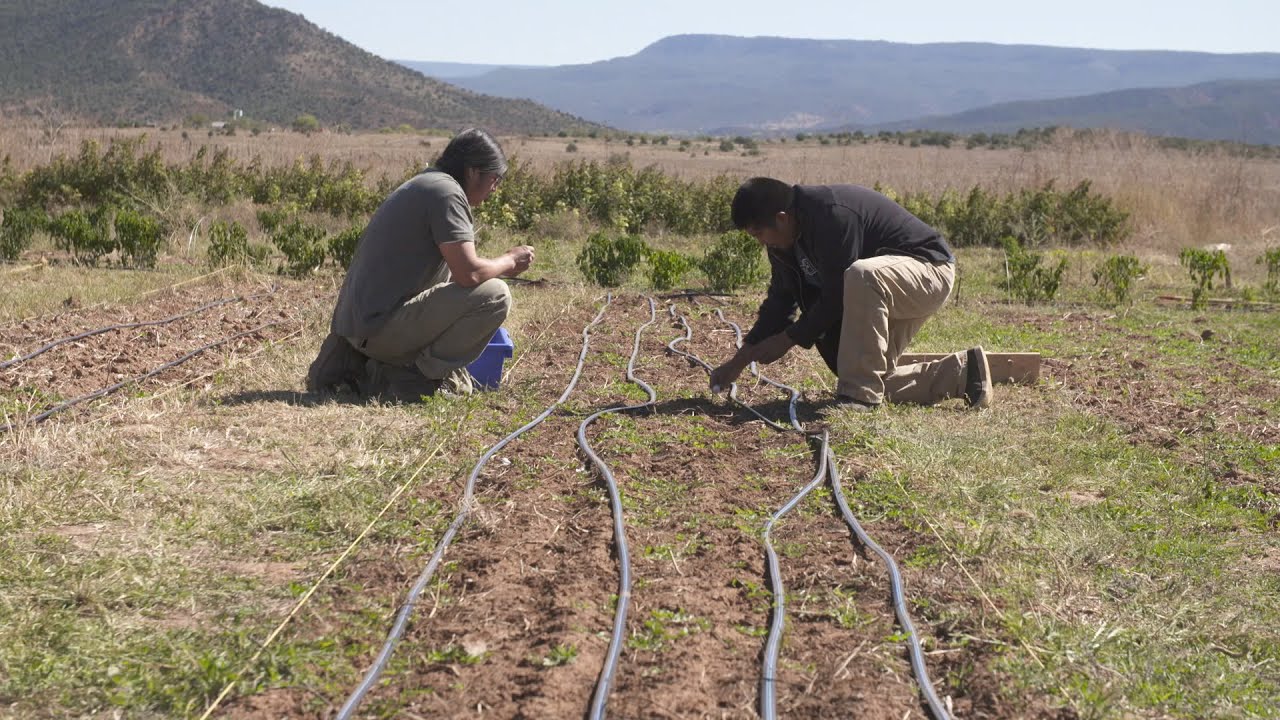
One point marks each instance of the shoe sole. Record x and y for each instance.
(984, 390)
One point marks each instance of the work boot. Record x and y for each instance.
(977, 384)
(458, 382)
(393, 383)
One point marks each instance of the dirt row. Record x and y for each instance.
(73, 369)
(518, 623)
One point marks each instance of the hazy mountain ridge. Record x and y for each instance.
(1242, 110)
(161, 60)
(704, 83)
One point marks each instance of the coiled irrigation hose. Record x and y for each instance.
(464, 510)
(601, 696)
(827, 466)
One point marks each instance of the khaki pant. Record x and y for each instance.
(887, 299)
(442, 329)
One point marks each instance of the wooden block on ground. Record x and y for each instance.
(1006, 367)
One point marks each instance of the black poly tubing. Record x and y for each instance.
(601, 696)
(468, 499)
(125, 326)
(110, 389)
(899, 603)
(827, 464)
(895, 577)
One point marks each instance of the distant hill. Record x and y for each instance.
(449, 70)
(708, 83)
(132, 61)
(1241, 110)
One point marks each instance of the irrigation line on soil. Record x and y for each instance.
(827, 467)
(145, 376)
(126, 326)
(899, 603)
(601, 696)
(464, 510)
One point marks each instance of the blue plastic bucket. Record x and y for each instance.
(487, 369)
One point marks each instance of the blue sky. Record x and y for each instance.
(560, 32)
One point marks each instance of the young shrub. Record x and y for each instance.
(608, 260)
(1025, 279)
(1204, 266)
(733, 262)
(666, 268)
(1115, 277)
(303, 247)
(229, 245)
(139, 237)
(83, 235)
(16, 229)
(1271, 258)
(342, 247)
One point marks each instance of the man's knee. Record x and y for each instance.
(860, 279)
(495, 294)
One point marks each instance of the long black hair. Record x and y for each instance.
(472, 148)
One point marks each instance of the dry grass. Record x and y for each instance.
(1177, 198)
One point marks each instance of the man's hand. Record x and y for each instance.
(772, 348)
(521, 257)
(723, 376)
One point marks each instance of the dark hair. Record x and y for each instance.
(472, 148)
(758, 202)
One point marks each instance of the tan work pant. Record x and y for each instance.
(887, 299)
(442, 329)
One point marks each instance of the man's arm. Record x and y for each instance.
(766, 341)
(469, 269)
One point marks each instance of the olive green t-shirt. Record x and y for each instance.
(398, 255)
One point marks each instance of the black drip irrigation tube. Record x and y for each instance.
(468, 500)
(601, 696)
(112, 388)
(827, 467)
(126, 326)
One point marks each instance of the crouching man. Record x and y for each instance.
(418, 304)
(863, 274)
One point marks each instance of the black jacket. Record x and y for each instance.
(839, 224)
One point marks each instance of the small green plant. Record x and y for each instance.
(16, 229)
(1025, 279)
(1204, 266)
(666, 268)
(229, 245)
(560, 655)
(303, 247)
(608, 260)
(139, 238)
(571, 147)
(733, 262)
(1271, 258)
(454, 654)
(662, 626)
(342, 247)
(1115, 277)
(86, 236)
